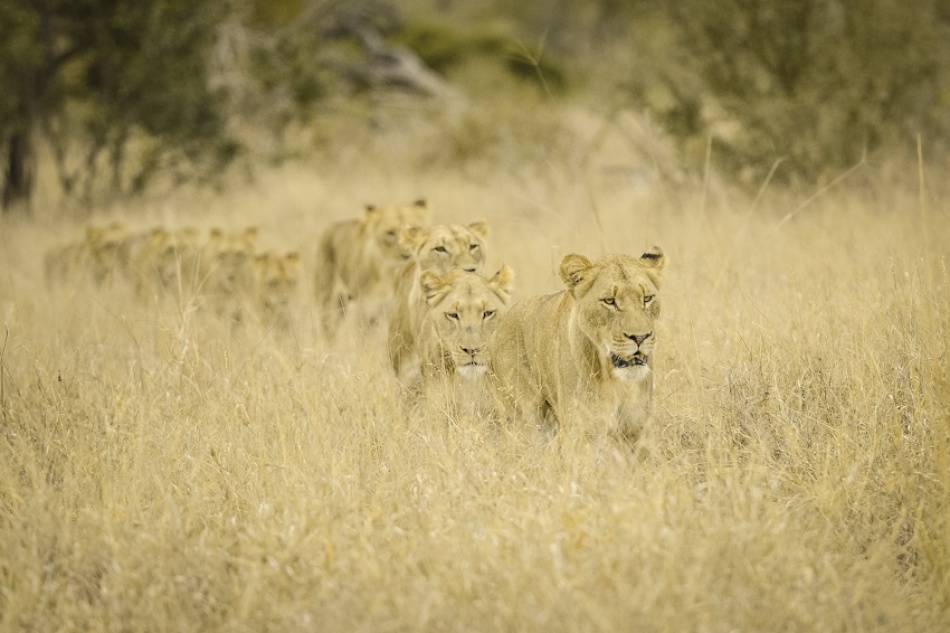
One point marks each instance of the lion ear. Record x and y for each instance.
(424, 213)
(370, 213)
(433, 287)
(653, 258)
(412, 237)
(480, 228)
(574, 269)
(502, 284)
(654, 261)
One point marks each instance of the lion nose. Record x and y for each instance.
(639, 338)
(471, 351)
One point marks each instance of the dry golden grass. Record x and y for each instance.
(162, 471)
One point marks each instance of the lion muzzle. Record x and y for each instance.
(636, 360)
(473, 367)
(471, 370)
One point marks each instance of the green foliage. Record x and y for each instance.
(817, 83)
(104, 79)
(533, 65)
(148, 73)
(266, 14)
(500, 136)
(286, 64)
(446, 47)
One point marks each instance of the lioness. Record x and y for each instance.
(160, 260)
(461, 311)
(437, 249)
(580, 359)
(359, 259)
(227, 271)
(96, 253)
(276, 279)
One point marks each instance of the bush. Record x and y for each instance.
(103, 79)
(446, 47)
(817, 83)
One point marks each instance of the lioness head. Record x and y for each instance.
(462, 311)
(229, 258)
(103, 244)
(384, 224)
(277, 277)
(166, 252)
(615, 306)
(445, 246)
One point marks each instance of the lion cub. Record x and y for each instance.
(438, 249)
(359, 260)
(580, 359)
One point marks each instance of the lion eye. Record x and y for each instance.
(473, 247)
(647, 299)
(452, 316)
(610, 301)
(487, 314)
(440, 249)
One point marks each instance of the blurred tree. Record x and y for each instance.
(96, 77)
(815, 83)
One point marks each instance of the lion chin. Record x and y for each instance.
(632, 367)
(471, 370)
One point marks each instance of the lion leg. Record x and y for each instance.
(333, 304)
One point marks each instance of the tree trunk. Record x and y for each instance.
(18, 175)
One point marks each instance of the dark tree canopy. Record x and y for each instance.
(123, 92)
(817, 84)
(94, 77)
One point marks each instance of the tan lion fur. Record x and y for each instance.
(276, 281)
(462, 311)
(358, 261)
(96, 254)
(438, 249)
(227, 271)
(581, 359)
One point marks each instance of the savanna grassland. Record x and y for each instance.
(163, 471)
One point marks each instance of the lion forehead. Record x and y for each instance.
(412, 215)
(394, 217)
(450, 235)
(469, 298)
(469, 295)
(619, 280)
